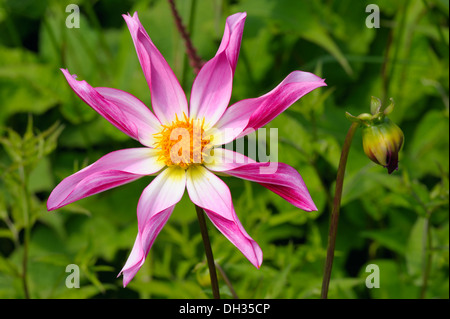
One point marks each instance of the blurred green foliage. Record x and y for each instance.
(399, 222)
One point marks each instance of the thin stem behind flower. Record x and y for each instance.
(336, 209)
(195, 61)
(208, 252)
(227, 281)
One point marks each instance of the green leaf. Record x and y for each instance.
(415, 248)
(25, 84)
(390, 239)
(427, 150)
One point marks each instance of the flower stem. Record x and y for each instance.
(27, 226)
(426, 255)
(208, 251)
(227, 281)
(336, 208)
(195, 61)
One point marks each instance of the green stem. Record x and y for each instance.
(397, 41)
(336, 208)
(426, 255)
(25, 263)
(208, 251)
(27, 225)
(227, 281)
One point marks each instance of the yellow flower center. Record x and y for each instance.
(181, 143)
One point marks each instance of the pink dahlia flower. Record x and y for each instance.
(208, 123)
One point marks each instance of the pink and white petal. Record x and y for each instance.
(212, 87)
(143, 243)
(209, 192)
(236, 234)
(168, 98)
(114, 169)
(231, 125)
(248, 115)
(222, 160)
(292, 88)
(232, 36)
(106, 106)
(280, 178)
(285, 181)
(136, 112)
(154, 209)
(164, 191)
(211, 90)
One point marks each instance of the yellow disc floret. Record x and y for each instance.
(182, 142)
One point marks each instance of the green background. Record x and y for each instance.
(399, 222)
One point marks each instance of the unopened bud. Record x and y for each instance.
(382, 139)
(382, 142)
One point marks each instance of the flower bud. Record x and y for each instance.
(382, 139)
(381, 142)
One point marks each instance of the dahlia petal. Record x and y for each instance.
(164, 191)
(210, 193)
(211, 90)
(285, 182)
(121, 109)
(154, 209)
(232, 36)
(136, 112)
(168, 98)
(114, 169)
(251, 114)
(224, 160)
(233, 230)
(143, 243)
